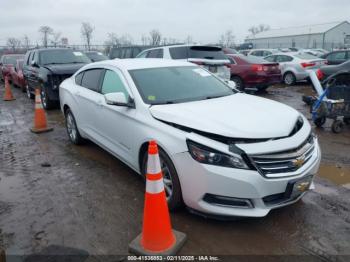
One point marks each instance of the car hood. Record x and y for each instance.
(234, 116)
(64, 69)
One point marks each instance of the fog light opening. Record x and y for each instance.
(228, 201)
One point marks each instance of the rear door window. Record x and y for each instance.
(155, 53)
(91, 79)
(337, 56)
(178, 52)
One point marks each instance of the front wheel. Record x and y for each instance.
(45, 99)
(171, 181)
(72, 128)
(29, 94)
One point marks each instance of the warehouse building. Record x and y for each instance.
(327, 36)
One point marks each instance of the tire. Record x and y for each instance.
(347, 120)
(289, 78)
(171, 180)
(320, 121)
(29, 94)
(45, 99)
(239, 82)
(337, 126)
(72, 128)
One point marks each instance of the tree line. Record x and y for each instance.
(50, 37)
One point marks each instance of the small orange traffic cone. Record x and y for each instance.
(157, 237)
(8, 94)
(40, 123)
(2, 255)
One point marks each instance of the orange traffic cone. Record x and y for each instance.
(8, 94)
(157, 237)
(40, 123)
(2, 255)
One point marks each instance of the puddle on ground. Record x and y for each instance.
(338, 174)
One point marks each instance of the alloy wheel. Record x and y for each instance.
(43, 98)
(71, 127)
(167, 179)
(29, 95)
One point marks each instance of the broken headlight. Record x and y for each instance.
(210, 156)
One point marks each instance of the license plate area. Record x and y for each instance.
(295, 188)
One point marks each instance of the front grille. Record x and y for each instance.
(286, 161)
(58, 79)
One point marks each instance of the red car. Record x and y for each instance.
(253, 72)
(16, 75)
(6, 63)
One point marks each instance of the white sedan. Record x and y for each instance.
(222, 152)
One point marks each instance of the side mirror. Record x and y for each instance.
(231, 84)
(33, 63)
(118, 99)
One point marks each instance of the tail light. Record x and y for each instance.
(319, 74)
(307, 64)
(257, 68)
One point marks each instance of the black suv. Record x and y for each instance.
(47, 68)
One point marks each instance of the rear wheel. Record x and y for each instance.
(319, 122)
(239, 82)
(337, 126)
(289, 78)
(171, 181)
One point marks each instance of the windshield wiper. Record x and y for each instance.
(164, 103)
(212, 97)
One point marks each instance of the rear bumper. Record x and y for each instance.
(262, 80)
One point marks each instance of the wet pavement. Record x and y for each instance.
(55, 194)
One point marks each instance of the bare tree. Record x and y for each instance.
(13, 43)
(227, 39)
(46, 31)
(189, 39)
(26, 42)
(144, 40)
(86, 31)
(56, 38)
(258, 29)
(155, 37)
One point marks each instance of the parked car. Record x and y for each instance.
(6, 63)
(230, 51)
(96, 56)
(244, 51)
(211, 58)
(246, 46)
(294, 66)
(337, 57)
(314, 52)
(222, 152)
(262, 52)
(253, 72)
(126, 51)
(326, 71)
(47, 68)
(16, 75)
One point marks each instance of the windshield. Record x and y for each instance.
(12, 59)
(62, 57)
(169, 85)
(96, 56)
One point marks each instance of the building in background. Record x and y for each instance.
(328, 36)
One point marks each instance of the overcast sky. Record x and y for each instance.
(204, 20)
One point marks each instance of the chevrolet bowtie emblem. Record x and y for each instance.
(299, 161)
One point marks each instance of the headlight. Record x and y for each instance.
(210, 156)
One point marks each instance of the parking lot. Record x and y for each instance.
(53, 193)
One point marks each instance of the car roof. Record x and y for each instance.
(141, 63)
